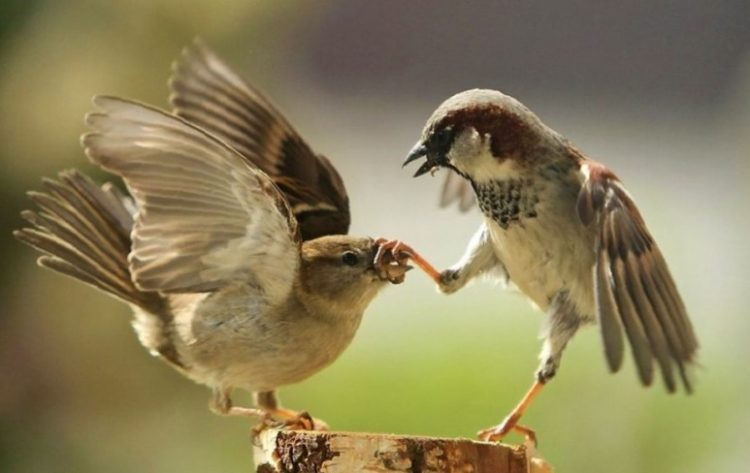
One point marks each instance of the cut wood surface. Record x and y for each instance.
(297, 451)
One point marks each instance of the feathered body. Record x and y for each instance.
(562, 229)
(232, 338)
(231, 248)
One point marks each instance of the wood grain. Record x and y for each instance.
(294, 451)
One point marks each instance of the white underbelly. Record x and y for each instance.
(544, 256)
(232, 340)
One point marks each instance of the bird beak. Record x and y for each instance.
(420, 151)
(416, 152)
(395, 273)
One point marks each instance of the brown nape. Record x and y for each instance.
(510, 134)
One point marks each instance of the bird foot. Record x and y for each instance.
(400, 252)
(390, 261)
(451, 281)
(509, 424)
(288, 419)
(497, 433)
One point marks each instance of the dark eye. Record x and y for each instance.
(442, 139)
(350, 258)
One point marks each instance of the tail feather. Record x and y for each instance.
(87, 211)
(84, 232)
(63, 239)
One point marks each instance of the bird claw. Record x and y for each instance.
(496, 433)
(391, 260)
(500, 431)
(450, 281)
(390, 251)
(289, 420)
(304, 421)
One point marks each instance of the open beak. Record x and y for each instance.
(420, 151)
(394, 273)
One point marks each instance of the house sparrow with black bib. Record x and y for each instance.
(231, 248)
(563, 229)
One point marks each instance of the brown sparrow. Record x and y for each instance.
(562, 229)
(232, 250)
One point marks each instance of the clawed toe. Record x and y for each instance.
(490, 434)
(499, 432)
(391, 251)
(304, 421)
(496, 433)
(290, 420)
(398, 251)
(391, 260)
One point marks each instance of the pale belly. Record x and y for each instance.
(232, 342)
(547, 255)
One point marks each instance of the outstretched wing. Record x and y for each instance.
(206, 217)
(457, 189)
(633, 286)
(206, 92)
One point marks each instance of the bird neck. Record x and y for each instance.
(335, 309)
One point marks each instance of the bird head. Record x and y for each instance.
(340, 271)
(480, 134)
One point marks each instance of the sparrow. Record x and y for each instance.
(231, 247)
(562, 229)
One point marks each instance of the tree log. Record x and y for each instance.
(297, 451)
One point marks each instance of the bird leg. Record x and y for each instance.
(479, 258)
(221, 404)
(401, 252)
(563, 323)
(510, 423)
(268, 412)
(298, 420)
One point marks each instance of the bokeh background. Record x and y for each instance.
(658, 90)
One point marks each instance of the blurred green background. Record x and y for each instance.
(657, 90)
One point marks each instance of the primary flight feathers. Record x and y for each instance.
(206, 92)
(207, 217)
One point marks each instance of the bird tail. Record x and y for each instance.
(83, 231)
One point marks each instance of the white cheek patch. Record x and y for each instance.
(467, 145)
(467, 150)
(471, 155)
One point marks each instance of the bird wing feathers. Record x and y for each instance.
(206, 217)
(634, 290)
(206, 92)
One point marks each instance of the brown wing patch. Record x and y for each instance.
(208, 93)
(206, 217)
(634, 291)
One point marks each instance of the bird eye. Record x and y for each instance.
(350, 258)
(443, 136)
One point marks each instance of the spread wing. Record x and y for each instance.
(206, 217)
(206, 92)
(457, 189)
(633, 286)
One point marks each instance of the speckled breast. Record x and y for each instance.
(507, 201)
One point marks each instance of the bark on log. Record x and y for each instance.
(296, 451)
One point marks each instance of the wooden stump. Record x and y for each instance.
(296, 451)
